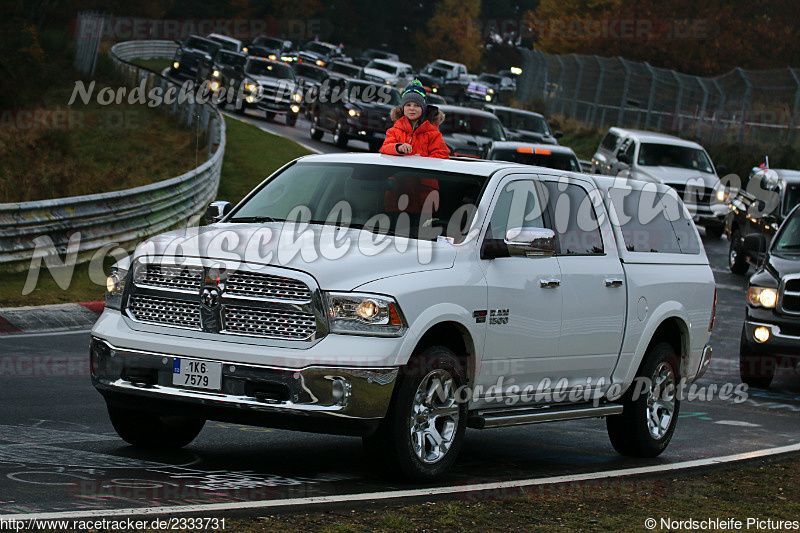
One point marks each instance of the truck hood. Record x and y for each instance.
(380, 74)
(672, 175)
(531, 136)
(321, 251)
(274, 83)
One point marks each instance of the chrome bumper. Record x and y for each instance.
(705, 360)
(314, 391)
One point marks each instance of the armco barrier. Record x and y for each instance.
(121, 217)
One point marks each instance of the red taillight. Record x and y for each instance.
(713, 311)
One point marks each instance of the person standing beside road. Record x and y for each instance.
(416, 126)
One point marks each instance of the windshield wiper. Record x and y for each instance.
(256, 219)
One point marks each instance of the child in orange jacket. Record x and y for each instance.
(416, 127)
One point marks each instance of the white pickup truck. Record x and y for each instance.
(404, 299)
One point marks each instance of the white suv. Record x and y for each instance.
(683, 165)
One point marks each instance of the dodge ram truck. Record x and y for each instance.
(405, 299)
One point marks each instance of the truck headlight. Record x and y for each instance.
(115, 287)
(250, 87)
(353, 113)
(273, 57)
(297, 97)
(215, 74)
(762, 297)
(176, 65)
(364, 314)
(320, 63)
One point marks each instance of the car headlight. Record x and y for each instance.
(762, 297)
(297, 97)
(115, 287)
(353, 113)
(272, 57)
(214, 86)
(320, 63)
(250, 87)
(488, 97)
(215, 74)
(364, 314)
(490, 90)
(176, 65)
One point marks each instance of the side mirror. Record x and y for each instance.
(531, 242)
(558, 134)
(216, 210)
(755, 243)
(624, 158)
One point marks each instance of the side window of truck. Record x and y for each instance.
(574, 219)
(609, 142)
(652, 223)
(517, 205)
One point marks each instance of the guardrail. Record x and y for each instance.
(126, 217)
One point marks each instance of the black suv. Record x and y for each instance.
(468, 131)
(752, 222)
(225, 67)
(524, 125)
(540, 155)
(269, 86)
(771, 331)
(194, 57)
(353, 109)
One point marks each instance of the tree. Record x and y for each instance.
(448, 34)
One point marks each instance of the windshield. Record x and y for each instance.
(200, 44)
(270, 69)
(344, 68)
(490, 78)
(788, 239)
(317, 48)
(381, 199)
(230, 60)
(435, 72)
(477, 124)
(372, 93)
(669, 155)
(541, 158)
(384, 67)
(307, 71)
(790, 199)
(267, 42)
(227, 45)
(522, 121)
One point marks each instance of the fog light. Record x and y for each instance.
(175, 65)
(761, 334)
(250, 99)
(488, 98)
(214, 86)
(295, 109)
(340, 391)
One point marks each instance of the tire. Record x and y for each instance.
(715, 232)
(737, 262)
(405, 441)
(291, 119)
(755, 370)
(651, 406)
(314, 130)
(269, 115)
(339, 136)
(149, 430)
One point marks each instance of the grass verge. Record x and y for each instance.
(764, 489)
(250, 156)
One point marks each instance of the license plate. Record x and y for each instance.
(196, 374)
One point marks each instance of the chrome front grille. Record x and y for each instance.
(276, 324)
(254, 284)
(165, 311)
(789, 295)
(182, 278)
(218, 301)
(695, 194)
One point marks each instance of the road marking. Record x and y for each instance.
(46, 333)
(399, 494)
(268, 130)
(738, 423)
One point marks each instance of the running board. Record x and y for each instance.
(536, 415)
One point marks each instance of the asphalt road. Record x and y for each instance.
(58, 451)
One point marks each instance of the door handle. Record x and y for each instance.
(549, 283)
(613, 282)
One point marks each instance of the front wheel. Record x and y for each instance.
(737, 262)
(339, 136)
(291, 119)
(650, 406)
(314, 130)
(150, 430)
(424, 429)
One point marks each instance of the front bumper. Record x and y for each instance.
(780, 342)
(343, 400)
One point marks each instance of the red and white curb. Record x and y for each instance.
(43, 318)
(487, 488)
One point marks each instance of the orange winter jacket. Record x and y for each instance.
(426, 140)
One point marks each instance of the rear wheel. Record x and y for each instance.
(651, 406)
(755, 370)
(424, 429)
(737, 262)
(150, 430)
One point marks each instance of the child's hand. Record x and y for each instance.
(404, 148)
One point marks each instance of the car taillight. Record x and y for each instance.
(713, 311)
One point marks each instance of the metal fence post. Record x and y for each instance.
(677, 113)
(597, 90)
(745, 102)
(559, 86)
(651, 98)
(795, 109)
(578, 84)
(720, 110)
(624, 99)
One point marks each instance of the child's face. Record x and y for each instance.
(412, 111)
